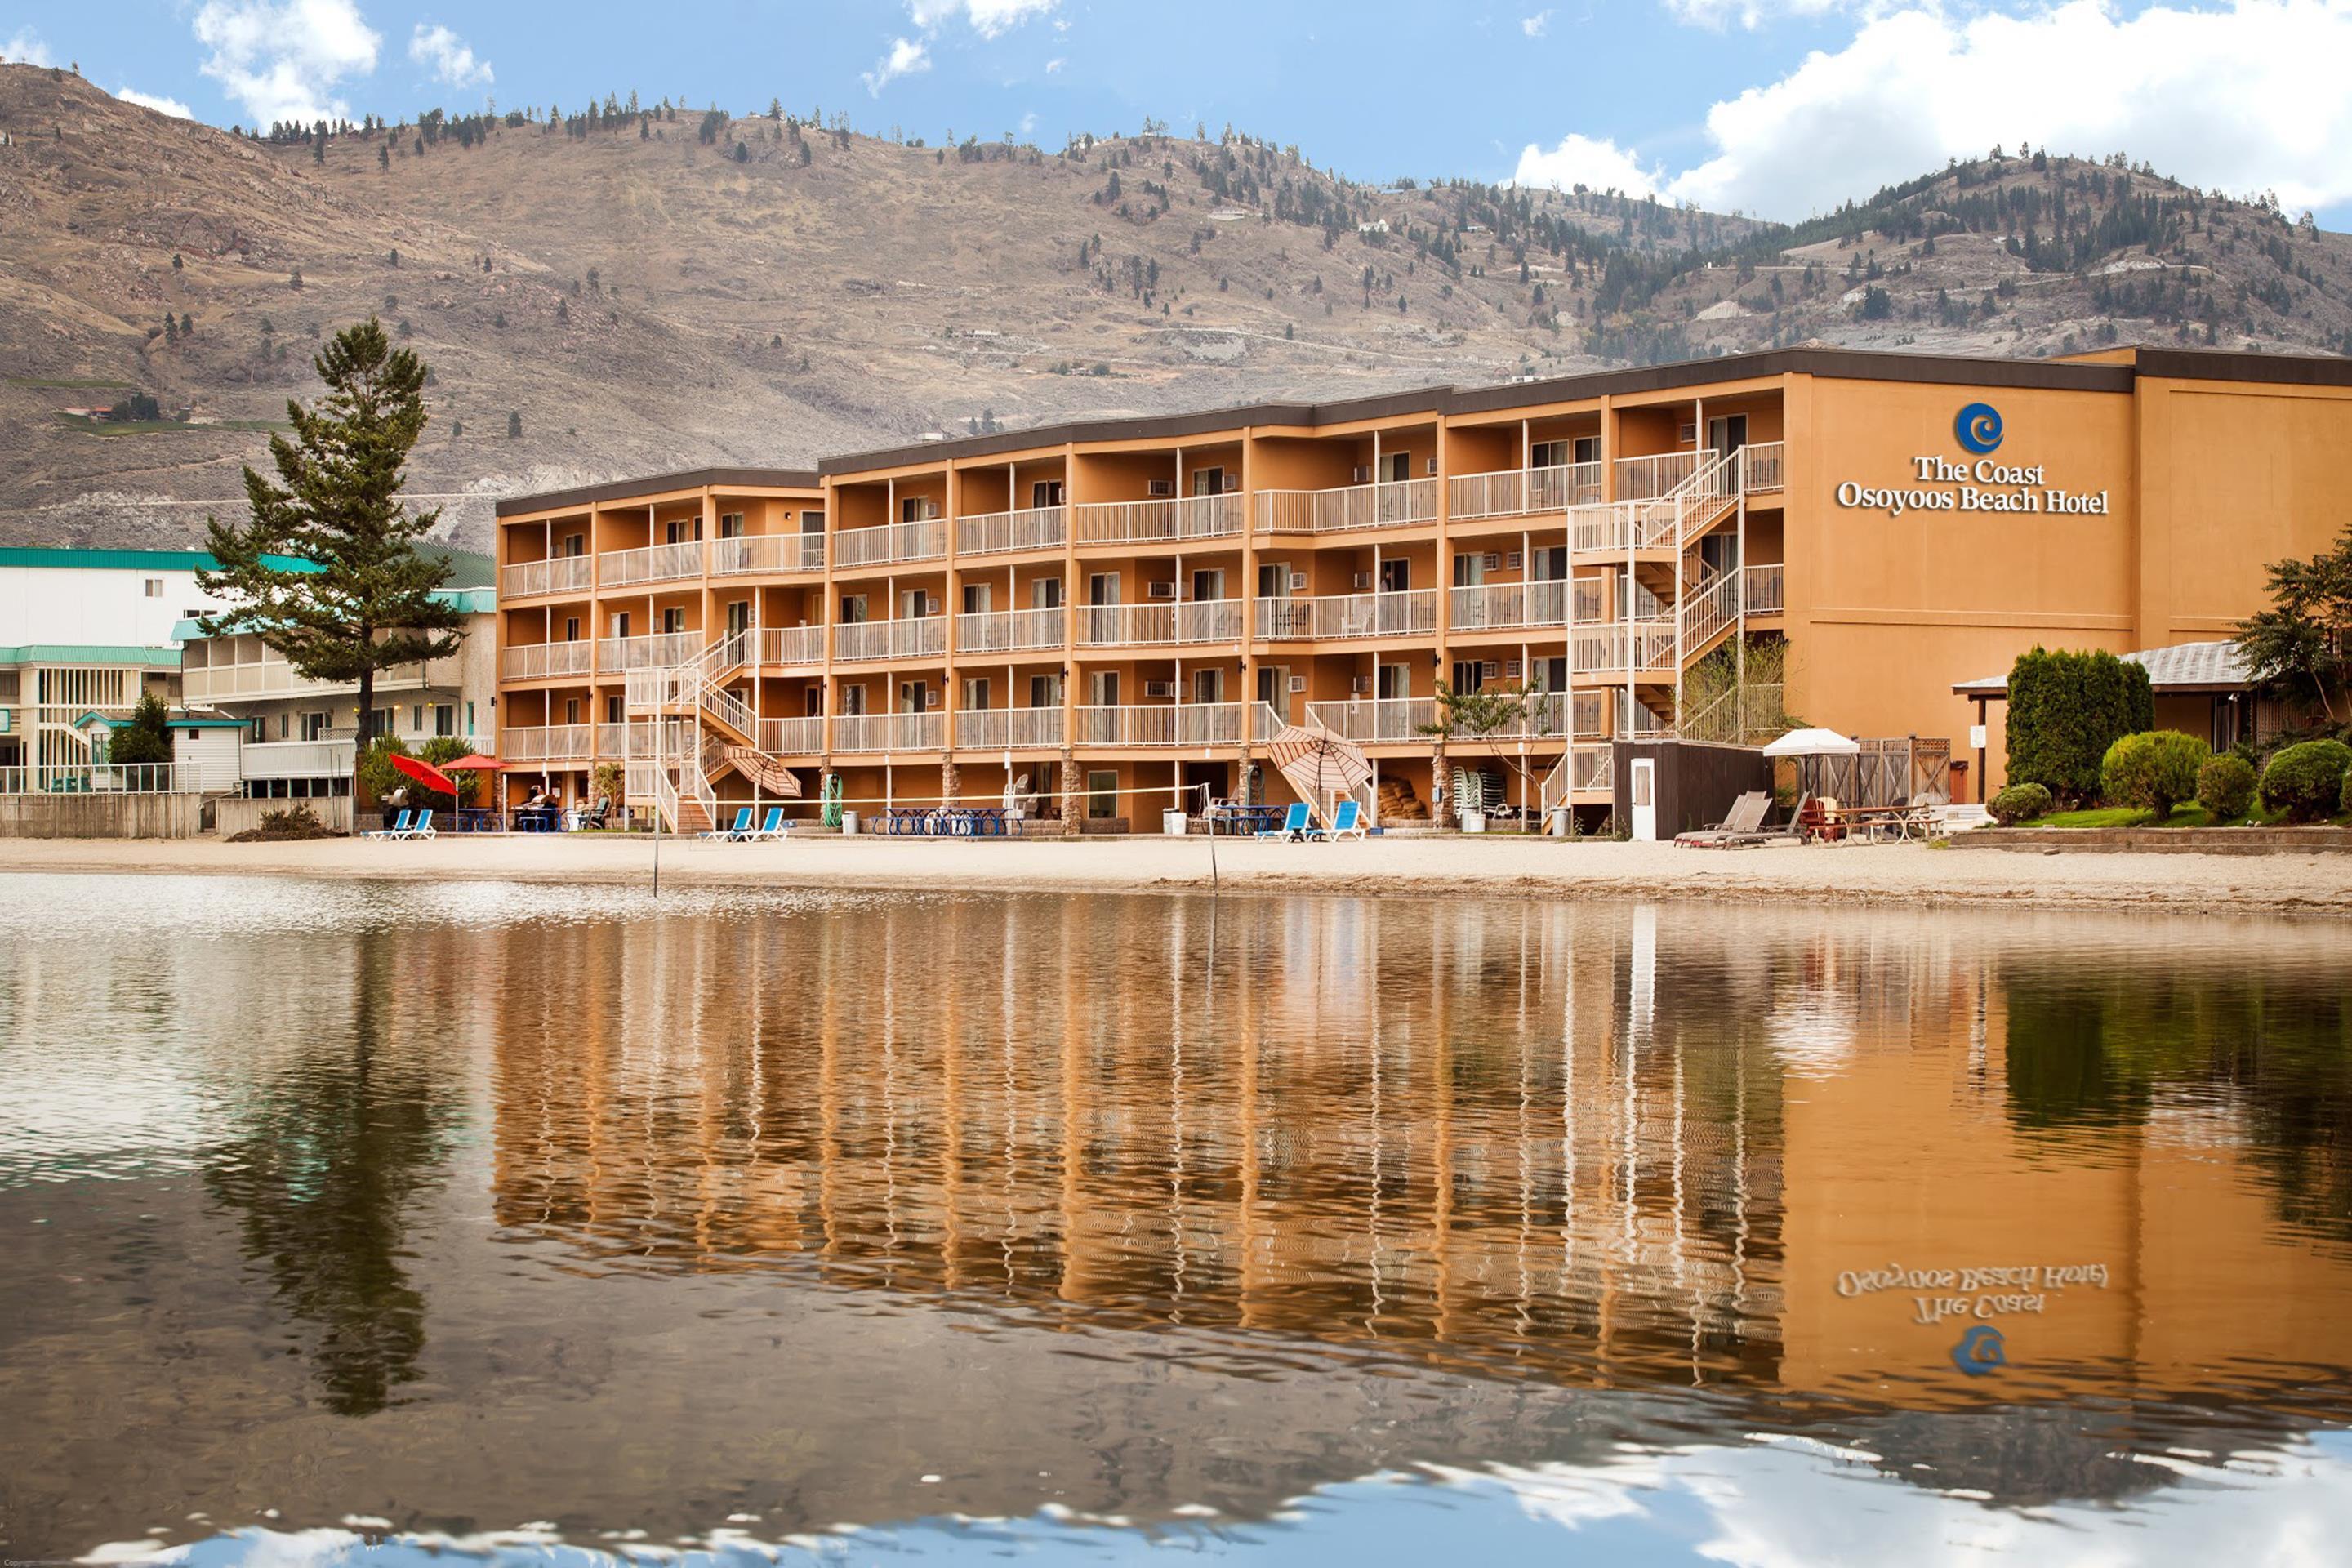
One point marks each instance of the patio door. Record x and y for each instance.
(1725, 434)
(1642, 798)
(1274, 688)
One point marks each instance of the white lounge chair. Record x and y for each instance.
(399, 828)
(768, 830)
(420, 828)
(1347, 822)
(1294, 824)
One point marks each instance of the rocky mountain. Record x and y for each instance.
(630, 288)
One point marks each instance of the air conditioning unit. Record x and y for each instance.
(1159, 489)
(1363, 580)
(1511, 670)
(1431, 469)
(930, 697)
(1361, 686)
(1686, 432)
(1359, 475)
(1161, 589)
(1491, 562)
(1159, 688)
(1490, 670)
(1514, 560)
(1298, 685)
(1298, 581)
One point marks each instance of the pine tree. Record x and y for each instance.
(368, 602)
(514, 424)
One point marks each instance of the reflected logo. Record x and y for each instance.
(1978, 428)
(1979, 1352)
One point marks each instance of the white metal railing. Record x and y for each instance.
(1159, 521)
(797, 737)
(1762, 466)
(1710, 608)
(1767, 593)
(637, 737)
(1519, 492)
(1008, 729)
(792, 644)
(1601, 528)
(1009, 631)
(556, 575)
(540, 660)
(1602, 649)
(1162, 624)
(1000, 533)
(103, 778)
(1645, 478)
(890, 543)
(755, 553)
(1379, 615)
(547, 743)
(650, 564)
(905, 637)
(889, 731)
(1170, 725)
(1377, 719)
(1503, 605)
(1392, 503)
(619, 655)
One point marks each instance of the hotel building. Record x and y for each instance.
(1116, 610)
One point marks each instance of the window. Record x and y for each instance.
(416, 719)
(1046, 492)
(285, 725)
(1469, 676)
(1045, 593)
(1548, 455)
(571, 709)
(154, 587)
(1209, 582)
(975, 692)
(853, 609)
(1044, 691)
(1586, 449)
(1399, 467)
(853, 698)
(1102, 794)
(674, 618)
(1208, 685)
(444, 719)
(1469, 569)
(812, 522)
(469, 718)
(738, 616)
(917, 509)
(260, 731)
(730, 525)
(612, 710)
(1396, 576)
(383, 721)
(979, 598)
(1102, 588)
(1208, 481)
(314, 726)
(575, 544)
(682, 530)
(571, 628)
(620, 623)
(1102, 687)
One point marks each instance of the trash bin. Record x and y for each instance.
(849, 824)
(1172, 822)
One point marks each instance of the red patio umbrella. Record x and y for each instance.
(473, 762)
(426, 774)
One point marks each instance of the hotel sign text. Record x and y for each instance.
(1984, 485)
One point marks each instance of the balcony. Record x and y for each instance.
(653, 564)
(1412, 613)
(547, 660)
(537, 579)
(1161, 521)
(1008, 729)
(1601, 649)
(1003, 532)
(866, 733)
(787, 646)
(750, 553)
(1176, 724)
(325, 758)
(799, 737)
(1766, 594)
(922, 636)
(271, 675)
(547, 744)
(1393, 720)
(1395, 503)
(660, 651)
(1009, 631)
(638, 738)
(1506, 606)
(1646, 478)
(890, 544)
(1161, 625)
(1762, 466)
(1523, 492)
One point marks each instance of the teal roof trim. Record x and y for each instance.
(133, 560)
(69, 653)
(177, 722)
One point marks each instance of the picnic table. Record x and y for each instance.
(1243, 821)
(1875, 822)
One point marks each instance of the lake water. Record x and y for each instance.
(343, 1221)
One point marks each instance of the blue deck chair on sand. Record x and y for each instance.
(420, 828)
(742, 826)
(399, 827)
(1347, 823)
(1294, 824)
(770, 830)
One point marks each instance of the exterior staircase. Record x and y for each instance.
(697, 688)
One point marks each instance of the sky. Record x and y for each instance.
(1779, 109)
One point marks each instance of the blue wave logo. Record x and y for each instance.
(1978, 428)
(1980, 1351)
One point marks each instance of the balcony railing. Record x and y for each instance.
(618, 655)
(295, 759)
(1000, 532)
(907, 637)
(535, 579)
(889, 731)
(1601, 649)
(1159, 521)
(891, 543)
(1374, 720)
(1395, 503)
(1008, 729)
(1762, 466)
(1645, 478)
(653, 564)
(1508, 605)
(1766, 594)
(1175, 724)
(1161, 625)
(798, 737)
(543, 661)
(1601, 528)
(756, 553)
(1009, 631)
(637, 738)
(547, 744)
(1384, 615)
(1522, 493)
(789, 645)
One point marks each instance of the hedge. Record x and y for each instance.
(2020, 803)
(2154, 770)
(2306, 781)
(2065, 711)
(2225, 787)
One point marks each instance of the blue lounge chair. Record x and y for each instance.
(420, 828)
(1294, 824)
(398, 830)
(1347, 823)
(742, 826)
(772, 828)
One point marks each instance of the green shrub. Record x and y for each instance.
(378, 777)
(2020, 803)
(2225, 787)
(2155, 769)
(147, 739)
(2306, 781)
(2065, 711)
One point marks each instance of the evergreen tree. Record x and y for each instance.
(147, 738)
(367, 603)
(514, 424)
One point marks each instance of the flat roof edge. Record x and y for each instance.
(688, 480)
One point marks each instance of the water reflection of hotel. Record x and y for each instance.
(1597, 1146)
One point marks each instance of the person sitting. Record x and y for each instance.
(531, 817)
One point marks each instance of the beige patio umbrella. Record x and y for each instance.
(765, 771)
(1319, 765)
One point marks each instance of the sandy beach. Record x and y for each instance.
(2309, 885)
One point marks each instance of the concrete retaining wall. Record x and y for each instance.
(235, 814)
(2163, 840)
(100, 816)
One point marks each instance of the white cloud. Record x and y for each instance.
(160, 104)
(448, 57)
(2238, 95)
(1053, 66)
(989, 18)
(1537, 25)
(1029, 124)
(1754, 14)
(283, 59)
(26, 48)
(1601, 165)
(906, 57)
